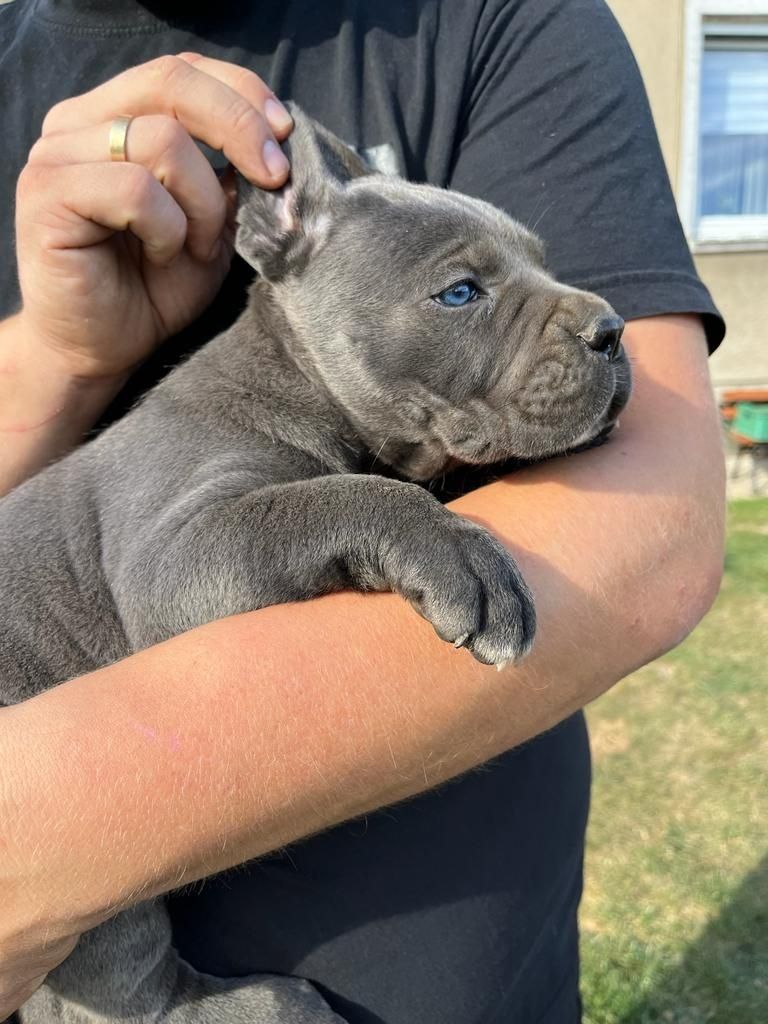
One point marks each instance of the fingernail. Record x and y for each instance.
(277, 115)
(275, 159)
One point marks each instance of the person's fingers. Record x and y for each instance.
(15, 995)
(161, 145)
(79, 205)
(208, 108)
(17, 986)
(249, 85)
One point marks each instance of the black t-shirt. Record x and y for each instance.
(459, 906)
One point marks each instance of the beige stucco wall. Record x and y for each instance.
(739, 283)
(738, 280)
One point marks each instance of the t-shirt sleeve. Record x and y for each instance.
(558, 132)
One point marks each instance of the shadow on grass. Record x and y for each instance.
(723, 976)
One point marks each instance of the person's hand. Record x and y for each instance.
(114, 257)
(23, 969)
(33, 940)
(24, 973)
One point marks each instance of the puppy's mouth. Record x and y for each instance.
(595, 442)
(427, 460)
(477, 451)
(480, 434)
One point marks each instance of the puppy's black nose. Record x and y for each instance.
(604, 335)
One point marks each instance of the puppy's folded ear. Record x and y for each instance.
(278, 230)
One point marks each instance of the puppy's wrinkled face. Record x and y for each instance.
(432, 320)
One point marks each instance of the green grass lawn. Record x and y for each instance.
(675, 915)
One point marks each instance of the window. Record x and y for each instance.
(724, 186)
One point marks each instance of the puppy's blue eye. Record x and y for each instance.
(459, 294)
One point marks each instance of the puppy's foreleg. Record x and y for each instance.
(293, 541)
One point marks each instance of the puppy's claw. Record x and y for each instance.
(460, 641)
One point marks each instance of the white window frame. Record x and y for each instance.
(725, 232)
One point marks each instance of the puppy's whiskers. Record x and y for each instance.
(532, 228)
(381, 449)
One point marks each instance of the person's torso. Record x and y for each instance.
(459, 906)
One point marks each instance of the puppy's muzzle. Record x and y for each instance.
(604, 336)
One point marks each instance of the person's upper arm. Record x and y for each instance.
(558, 133)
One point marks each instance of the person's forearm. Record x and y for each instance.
(251, 732)
(45, 411)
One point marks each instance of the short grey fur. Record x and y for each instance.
(247, 478)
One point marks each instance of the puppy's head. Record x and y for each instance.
(430, 316)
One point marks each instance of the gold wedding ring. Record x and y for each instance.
(118, 133)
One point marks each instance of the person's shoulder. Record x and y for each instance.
(10, 17)
(560, 32)
(14, 15)
(537, 17)
(419, 12)
(408, 15)
(8, 11)
(537, 10)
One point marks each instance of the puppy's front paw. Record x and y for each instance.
(469, 587)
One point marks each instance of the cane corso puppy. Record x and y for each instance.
(390, 325)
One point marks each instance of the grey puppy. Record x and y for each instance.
(390, 324)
